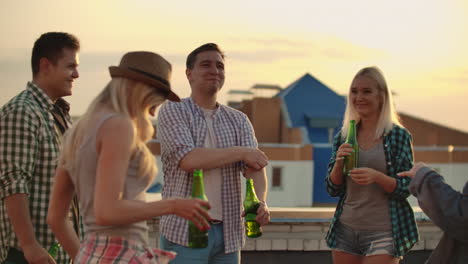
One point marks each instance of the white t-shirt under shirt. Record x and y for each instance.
(212, 178)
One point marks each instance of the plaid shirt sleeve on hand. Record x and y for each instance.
(18, 147)
(333, 189)
(176, 141)
(404, 162)
(248, 134)
(247, 138)
(173, 133)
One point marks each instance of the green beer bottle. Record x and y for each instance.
(351, 161)
(54, 250)
(251, 204)
(197, 237)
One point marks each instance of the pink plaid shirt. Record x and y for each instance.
(181, 128)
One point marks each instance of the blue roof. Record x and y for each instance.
(308, 98)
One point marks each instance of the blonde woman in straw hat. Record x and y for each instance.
(106, 162)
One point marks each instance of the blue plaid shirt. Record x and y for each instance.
(398, 150)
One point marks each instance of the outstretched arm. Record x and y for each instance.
(113, 160)
(446, 207)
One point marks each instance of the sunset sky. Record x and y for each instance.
(421, 45)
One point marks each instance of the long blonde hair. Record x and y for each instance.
(126, 97)
(388, 115)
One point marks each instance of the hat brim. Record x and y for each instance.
(116, 71)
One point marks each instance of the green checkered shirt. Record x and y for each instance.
(29, 148)
(398, 150)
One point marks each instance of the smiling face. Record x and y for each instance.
(207, 75)
(365, 97)
(60, 75)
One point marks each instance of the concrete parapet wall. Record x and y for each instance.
(307, 233)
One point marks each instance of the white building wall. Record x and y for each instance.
(455, 174)
(297, 184)
(159, 176)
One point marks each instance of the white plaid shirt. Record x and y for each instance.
(29, 146)
(181, 128)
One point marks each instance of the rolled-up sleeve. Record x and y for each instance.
(248, 138)
(404, 161)
(18, 150)
(333, 189)
(173, 133)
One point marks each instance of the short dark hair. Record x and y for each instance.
(192, 57)
(50, 45)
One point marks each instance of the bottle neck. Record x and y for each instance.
(250, 191)
(198, 188)
(351, 137)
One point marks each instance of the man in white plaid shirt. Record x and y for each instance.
(199, 133)
(29, 147)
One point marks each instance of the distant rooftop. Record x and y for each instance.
(240, 92)
(266, 86)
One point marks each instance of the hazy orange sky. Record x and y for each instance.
(420, 44)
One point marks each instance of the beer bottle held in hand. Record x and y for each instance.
(251, 204)
(351, 161)
(198, 238)
(53, 250)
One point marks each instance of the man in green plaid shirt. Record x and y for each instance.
(31, 125)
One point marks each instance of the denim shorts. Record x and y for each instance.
(363, 243)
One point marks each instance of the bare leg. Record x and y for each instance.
(340, 257)
(381, 259)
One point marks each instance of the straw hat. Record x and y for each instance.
(146, 67)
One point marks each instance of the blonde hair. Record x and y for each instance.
(388, 115)
(128, 98)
